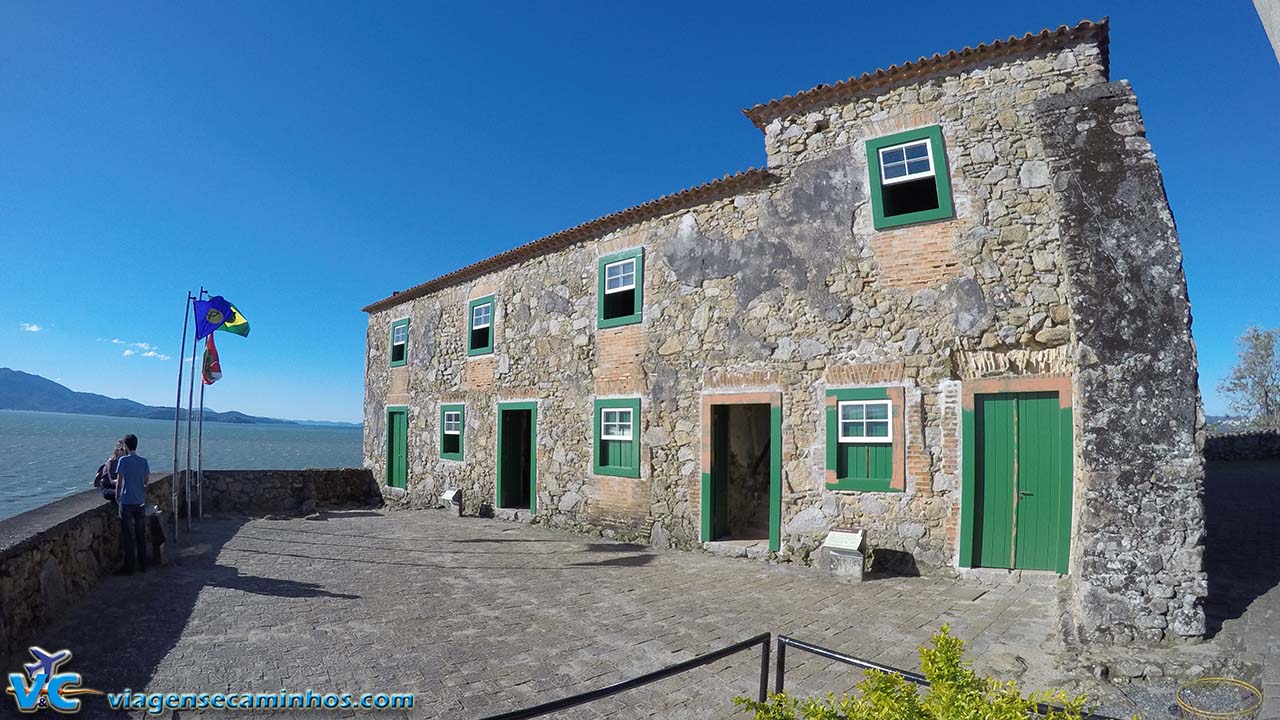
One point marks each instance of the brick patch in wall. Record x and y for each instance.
(479, 372)
(866, 374)
(398, 381)
(739, 378)
(920, 256)
(618, 500)
(619, 360)
(971, 364)
(900, 122)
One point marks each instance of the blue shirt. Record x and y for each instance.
(133, 470)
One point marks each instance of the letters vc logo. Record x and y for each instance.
(47, 688)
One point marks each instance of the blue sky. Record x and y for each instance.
(304, 159)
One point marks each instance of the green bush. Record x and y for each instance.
(955, 692)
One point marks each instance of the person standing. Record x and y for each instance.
(131, 493)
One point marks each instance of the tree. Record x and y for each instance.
(1253, 387)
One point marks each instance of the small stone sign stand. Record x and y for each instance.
(843, 553)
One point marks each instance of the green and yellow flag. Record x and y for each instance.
(235, 323)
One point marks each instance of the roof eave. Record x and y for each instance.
(1085, 31)
(716, 189)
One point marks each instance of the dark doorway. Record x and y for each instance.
(740, 471)
(516, 463)
(1242, 540)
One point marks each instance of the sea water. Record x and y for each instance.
(45, 456)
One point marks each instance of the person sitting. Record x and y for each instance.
(105, 480)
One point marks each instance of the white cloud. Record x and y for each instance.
(30, 327)
(127, 353)
(143, 346)
(117, 341)
(154, 354)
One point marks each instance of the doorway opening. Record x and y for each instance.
(741, 468)
(517, 463)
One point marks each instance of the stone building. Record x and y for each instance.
(950, 311)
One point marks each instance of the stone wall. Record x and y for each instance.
(785, 289)
(53, 555)
(1139, 531)
(1243, 445)
(285, 491)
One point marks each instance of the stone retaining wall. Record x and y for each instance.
(53, 555)
(285, 491)
(1243, 445)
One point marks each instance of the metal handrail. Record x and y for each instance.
(763, 640)
(784, 641)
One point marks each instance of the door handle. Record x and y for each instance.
(1024, 493)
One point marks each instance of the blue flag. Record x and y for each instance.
(210, 315)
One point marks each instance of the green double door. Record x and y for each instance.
(1022, 481)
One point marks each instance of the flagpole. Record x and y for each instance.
(191, 390)
(177, 413)
(200, 458)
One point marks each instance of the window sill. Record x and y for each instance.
(914, 218)
(402, 363)
(622, 472)
(479, 352)
(452, 457)
(864, 485)
(607, 323)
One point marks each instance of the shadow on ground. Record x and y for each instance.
(1242, 543)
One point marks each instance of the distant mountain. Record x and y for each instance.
(327, 423)
(24, 391)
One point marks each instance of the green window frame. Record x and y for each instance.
(860, 440)
(480, 326)
(399, 328)
(452, 431)
(898, 173)
(620, 289)
(617, 437)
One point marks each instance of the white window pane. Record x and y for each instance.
(878, 411)
(878, 428)
(918, 166)
(919, 150)
(894, 171)
(852, 411)
(400, 334)
(481, 315)
(891, 155)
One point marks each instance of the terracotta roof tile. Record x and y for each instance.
(723, 187)
(1086, 30)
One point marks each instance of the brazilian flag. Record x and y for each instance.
(235, 323)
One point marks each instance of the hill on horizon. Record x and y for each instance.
(24, 391)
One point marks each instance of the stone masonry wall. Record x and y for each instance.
(1243, 445)
(285, 491)
(1138, 546)
(787, 289)
(52, 556)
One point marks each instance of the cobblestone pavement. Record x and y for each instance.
(480, 616)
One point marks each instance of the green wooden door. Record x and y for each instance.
(397, 448)
(993, 534)
(719, 471)
(1041, 483)
(1023, 481)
